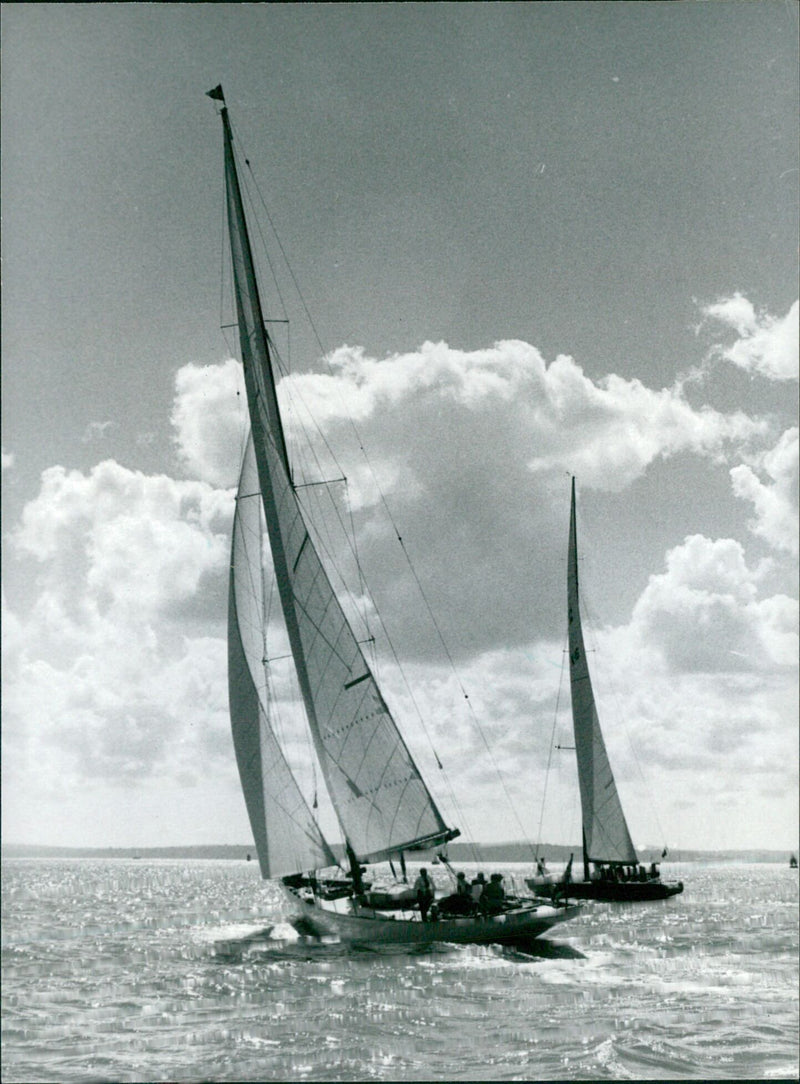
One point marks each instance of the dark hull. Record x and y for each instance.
(609, 891)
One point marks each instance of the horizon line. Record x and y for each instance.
(673, 854)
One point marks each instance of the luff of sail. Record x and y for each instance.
(606, 835)
(380, 798)
(287, 837)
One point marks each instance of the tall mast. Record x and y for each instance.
(252, 329)
(380, 798)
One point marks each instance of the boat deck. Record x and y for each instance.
(525, 921)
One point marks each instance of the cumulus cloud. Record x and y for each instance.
(608, 432)
(209, 419)
(775, 501)
(7, 460)
(116, 538)
(704, 613)
(765, 344)
(470, 449)
(117, 671)
(124, 562)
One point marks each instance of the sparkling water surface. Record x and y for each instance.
(117, 970)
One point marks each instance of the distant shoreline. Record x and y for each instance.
(457, 852)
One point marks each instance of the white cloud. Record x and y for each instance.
(118, 539)
(766, 344)
(117, 672)
(128, 566)
(608, 432)
(7, 460)
(737, 312)
(210, 420)
(11, 629)
(775, 502)
(454, 432)
(704, 614)
(471, 448)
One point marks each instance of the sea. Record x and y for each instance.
(148, 970)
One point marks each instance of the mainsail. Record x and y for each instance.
(605, 833)
(380, 798)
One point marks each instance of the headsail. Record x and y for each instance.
(606, 835)
(380, 798)
(286, 835)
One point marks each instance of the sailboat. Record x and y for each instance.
(383, 805)
(607, 845)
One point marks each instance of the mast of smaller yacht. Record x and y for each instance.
(573, 571)
(607, 837)
(573, 539)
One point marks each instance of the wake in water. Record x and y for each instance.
(294, 941)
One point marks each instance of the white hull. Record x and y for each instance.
(522, 923)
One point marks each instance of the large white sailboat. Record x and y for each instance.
(607, 844)
(382, 803)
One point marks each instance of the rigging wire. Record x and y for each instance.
(564, 653)
(294, 398)
(307, 452)
(295, 395)
(264, 249)
(283, 253)
(392, 522)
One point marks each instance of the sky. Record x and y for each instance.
(535, 240)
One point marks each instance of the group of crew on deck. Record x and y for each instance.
(625, 874)
(607, 872)
(481, 897)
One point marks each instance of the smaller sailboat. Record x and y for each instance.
(618, 876)
(382, 803)
(793, 861)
